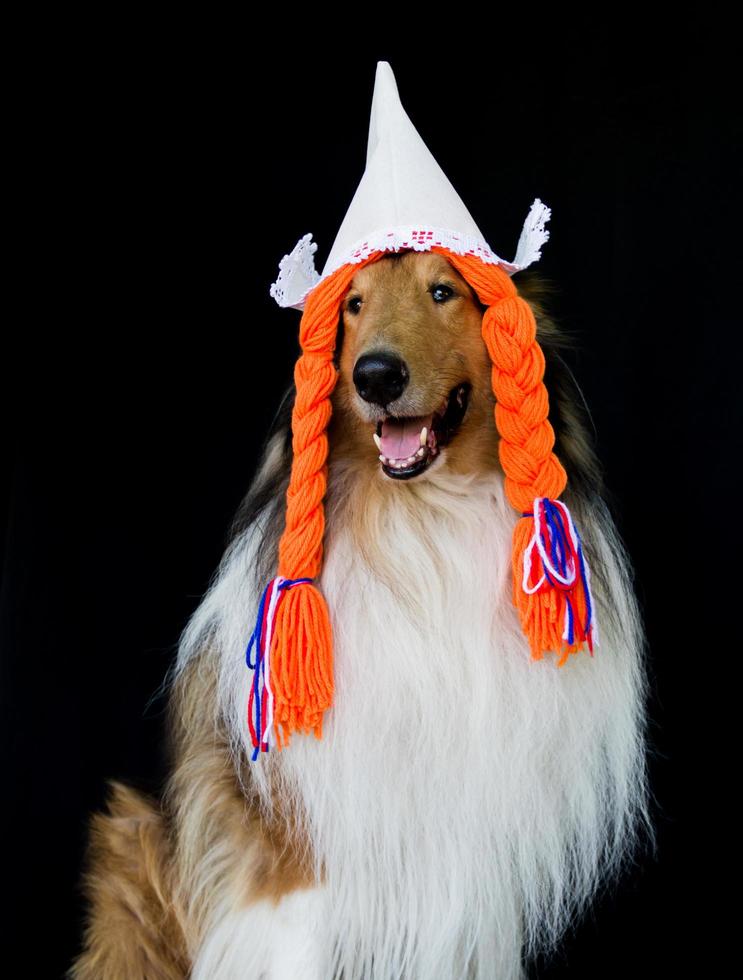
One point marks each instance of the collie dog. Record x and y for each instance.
(465, 801)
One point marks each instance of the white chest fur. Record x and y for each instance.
(462, 793)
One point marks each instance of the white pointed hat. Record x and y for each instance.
(404, 200)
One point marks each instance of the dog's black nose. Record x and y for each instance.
(380, 377)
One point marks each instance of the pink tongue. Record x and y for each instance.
(401, 439)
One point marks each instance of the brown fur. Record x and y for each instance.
(156, 872)
(135, 929)
(441, 344)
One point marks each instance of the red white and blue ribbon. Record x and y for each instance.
(261, 703)
(557, 545)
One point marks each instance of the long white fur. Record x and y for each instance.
(267, 941)
(465, 801)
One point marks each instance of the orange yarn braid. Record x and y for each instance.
(302, 648)
(525, 449)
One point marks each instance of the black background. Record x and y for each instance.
(160, 173)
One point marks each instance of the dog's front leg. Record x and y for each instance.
(298, 945)
(269, 940)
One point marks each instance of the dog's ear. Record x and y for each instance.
(267, 493)
(271, 478)
(568, 413)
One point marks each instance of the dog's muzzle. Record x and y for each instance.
(409, 444)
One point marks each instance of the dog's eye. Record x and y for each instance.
(441, 293)
(354, 304)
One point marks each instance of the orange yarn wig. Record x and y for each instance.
(551, 587)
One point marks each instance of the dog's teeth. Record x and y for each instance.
(383, 458)
(378, 441)
(421, 451)
(424, 435)
(410, 459)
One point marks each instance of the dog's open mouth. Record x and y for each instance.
(408, 444)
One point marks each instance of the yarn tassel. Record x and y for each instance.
(293, 664)
(551, 582)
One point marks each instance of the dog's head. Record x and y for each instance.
(411, 355)
(414, 387)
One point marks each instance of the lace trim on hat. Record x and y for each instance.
(533, 235)
(298, 276)
(420, 238)
(297, 273)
